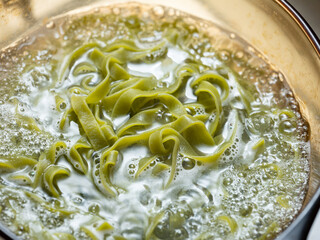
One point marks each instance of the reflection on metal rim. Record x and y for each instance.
(300, 227)
(305, 27)
(5, 233)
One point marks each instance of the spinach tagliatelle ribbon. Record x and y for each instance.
(96, 106)
(160, 124)
(139, 99)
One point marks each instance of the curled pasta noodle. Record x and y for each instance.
(158, 143)
(246, 96)
(152, 224)
(48, 205)
(95, 226)
(50, 176)
(129, 100)
(16, 162)
(206, 87)
(60, 103)
(144, 163)
(76, 158)
(129, 50)
(140, 120)
(102, 88)
(46, 159)
(216, 79)
(105, 171)
(160, 167)
(88, 122)
(230, 221)
(22, 179)
(65, 117)
(84, 68)
(139, 84)
(67, 64)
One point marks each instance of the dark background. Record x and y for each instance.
(310, 10)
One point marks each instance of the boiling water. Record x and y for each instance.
(249, 193)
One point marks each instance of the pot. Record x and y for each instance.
(273, 27)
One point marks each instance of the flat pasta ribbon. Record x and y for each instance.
(50, 176)
(88, 122)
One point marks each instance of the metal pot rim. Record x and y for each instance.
(308, 214)
(310, 210)
(302, 23)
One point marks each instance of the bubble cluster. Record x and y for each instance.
(163, 116)
(20, 139)
(132, 169)
(49, 219)
(173, 224)
(11, 203)
(231, 154)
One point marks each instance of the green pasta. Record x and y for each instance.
(150, 138)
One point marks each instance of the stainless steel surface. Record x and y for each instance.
(315, 230)
(310, 12)
(270, 25)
